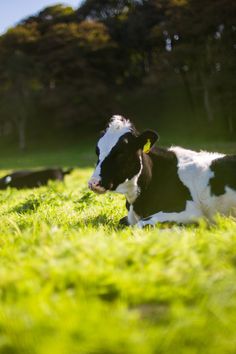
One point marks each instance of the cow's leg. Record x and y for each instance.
(131, 219)
(192, 213)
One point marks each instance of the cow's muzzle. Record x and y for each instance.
(95, 186)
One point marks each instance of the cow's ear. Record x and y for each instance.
(146, 140)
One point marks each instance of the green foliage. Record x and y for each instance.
(55, 13)
(73, 281)
(65, 70)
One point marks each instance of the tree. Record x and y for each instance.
(65, 68)
(18, 74)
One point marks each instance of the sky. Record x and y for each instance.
(13, 11)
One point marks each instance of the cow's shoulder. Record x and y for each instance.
(165, 191)
(201, 159)
(195, 168)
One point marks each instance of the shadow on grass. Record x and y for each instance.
(27, 206)
(96, 221)
(153, 312)
(105, 220)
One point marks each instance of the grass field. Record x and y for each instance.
(73, 282)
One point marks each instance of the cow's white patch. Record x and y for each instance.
(118, 122)
(224, 204)
(118, 126)
(194, 172)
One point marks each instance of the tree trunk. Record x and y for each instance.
(230, 124)
(188, 90)
(206, 100)
(21, 126)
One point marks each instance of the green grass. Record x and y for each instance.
(73, 282)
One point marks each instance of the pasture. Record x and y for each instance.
(73, 282)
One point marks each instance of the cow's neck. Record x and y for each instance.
(133, 187)
(130, 189)
(146, 173)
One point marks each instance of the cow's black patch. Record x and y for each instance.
(161, 188)
(224, 169)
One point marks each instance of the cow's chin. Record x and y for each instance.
(103, 190)
(100, 190)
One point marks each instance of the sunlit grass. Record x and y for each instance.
(73, 281)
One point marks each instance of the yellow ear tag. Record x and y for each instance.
(147, 147)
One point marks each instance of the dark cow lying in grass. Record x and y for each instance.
(32, 179)
(162, 185)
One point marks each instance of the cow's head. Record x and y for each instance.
(119, 151)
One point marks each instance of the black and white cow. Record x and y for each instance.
(33, 179)
(162, 185)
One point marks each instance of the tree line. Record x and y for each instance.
(68, 70)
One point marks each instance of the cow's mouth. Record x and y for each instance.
(101, 189)
(98, 188)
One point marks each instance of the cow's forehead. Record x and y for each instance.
(109, 140)
(118, 126)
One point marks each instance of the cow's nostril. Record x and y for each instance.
(94, 184)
